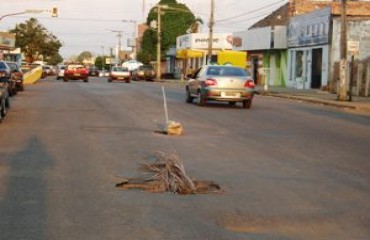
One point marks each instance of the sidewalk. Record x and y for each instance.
(359, 104)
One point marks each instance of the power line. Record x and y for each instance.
(250, 12)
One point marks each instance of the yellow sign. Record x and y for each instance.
(189, 53)
(7, 40)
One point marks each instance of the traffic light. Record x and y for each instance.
(54, 12)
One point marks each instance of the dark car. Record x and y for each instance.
(16, 75)
(144, 72)
(6, 77)
(220, 83)
(76, 72)
(4, 100)
(93, 71)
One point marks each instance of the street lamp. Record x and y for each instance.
(119, 36)
(134, 22)
(54, 12)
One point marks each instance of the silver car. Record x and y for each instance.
(220, 83)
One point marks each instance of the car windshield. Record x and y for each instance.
(227, 71)
(13, 66)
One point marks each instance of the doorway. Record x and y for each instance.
(316, 68)
(255, 70)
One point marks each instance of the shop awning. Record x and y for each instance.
(189, 53)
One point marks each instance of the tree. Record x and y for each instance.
(84, 56)
(144, 57)
(55, 59)
(175, 22)
(35, 41)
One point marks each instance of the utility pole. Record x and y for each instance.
(210, 38)
(134, 39)
(119, 36)
(342, 95)
(159, 13)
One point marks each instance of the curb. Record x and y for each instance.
(313, 100)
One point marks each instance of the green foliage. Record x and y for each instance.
(175, 22)
(55, 59)
(84, 56)
(35, 40)
(100, 62)
(144, 57)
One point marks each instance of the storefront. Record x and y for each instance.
(7, 43)
(192, 49)
(267, 53)
(308, 50)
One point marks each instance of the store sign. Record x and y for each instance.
(309, 29)
(7, 40)
(201, 41)
(353, 48)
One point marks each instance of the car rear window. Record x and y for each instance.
(119, 69)
(227, 71)
(72, 67)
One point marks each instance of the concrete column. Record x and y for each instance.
(358, 82)
(367, 86)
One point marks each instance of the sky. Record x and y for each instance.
(92, 25)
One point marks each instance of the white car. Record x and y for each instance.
(60, 72)
(132, 65)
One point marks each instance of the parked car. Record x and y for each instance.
(76, 72)
(6, 77)
(220, 83)
(4, 100)
(93, 71)
(120, 74)
(48, 70)
(60, 72)
(16, 75)
(144, 72)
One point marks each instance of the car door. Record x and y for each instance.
(194, 82)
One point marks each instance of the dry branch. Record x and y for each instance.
(167, 173)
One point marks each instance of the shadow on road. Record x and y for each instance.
(23, 206)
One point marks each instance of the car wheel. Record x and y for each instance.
(86, 80)
(232, 103)
(109, 80)
(128, 81)
(7, 102)
(188, 97)
(247, 104)
(202, 100)
(3, 110)
(65, 80)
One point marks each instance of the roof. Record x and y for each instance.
(279, 17)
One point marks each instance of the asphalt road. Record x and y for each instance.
(290, 170)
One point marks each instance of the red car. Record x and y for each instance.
(17, 75)
(76, 72)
